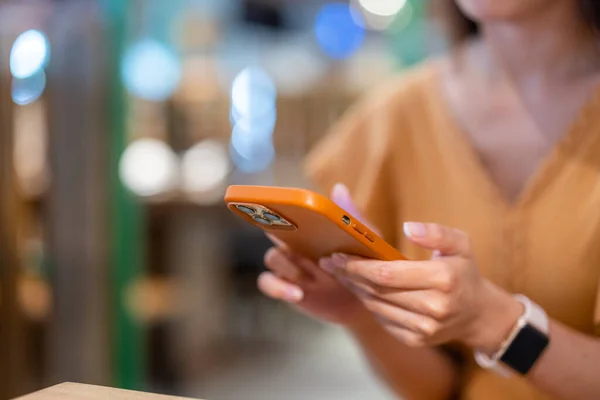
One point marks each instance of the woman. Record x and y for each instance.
(500, 141)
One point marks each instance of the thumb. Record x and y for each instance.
(342, 197)
(445, 241)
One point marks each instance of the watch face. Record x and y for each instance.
(525, 349)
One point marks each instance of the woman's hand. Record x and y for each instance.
(314, 291)
(433, 302)
(300, 282)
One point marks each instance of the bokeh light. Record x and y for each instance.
(150, 70)
(337, 30)
(380, 15)
(27, 90)
(253, 93)
(204, 167)
(253, 116)
(149, 167)
(29, 54)
(261, 126)
(250, 153)
(404, 18)
(383, 8)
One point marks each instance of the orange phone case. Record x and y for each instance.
(318, 227)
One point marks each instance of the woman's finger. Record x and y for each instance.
(277, 242)
(407, 319)
(406, 336)
(407, 275)
(279, 263)
(431, 303)
(327, 265)
(277, 288)
(307, 266)
(447, 241)
(369, 288)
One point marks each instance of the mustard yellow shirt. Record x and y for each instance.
(405, 158)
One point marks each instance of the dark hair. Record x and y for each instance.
(460, 27)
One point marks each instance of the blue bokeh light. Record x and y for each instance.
(29, 54)
(249, 152)
(260, 126)
(253, 116)
(27, 90)
(150, 70)
(337, 30)
(253, 93)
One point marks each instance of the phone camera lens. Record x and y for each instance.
(262, 220)
(246, 209)
(272, 217)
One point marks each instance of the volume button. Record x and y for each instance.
(358, 229)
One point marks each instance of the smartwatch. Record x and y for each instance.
(523, 346)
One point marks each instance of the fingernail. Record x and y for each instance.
(294, 294)
(415, 229)
(339, 260)
(326, 264)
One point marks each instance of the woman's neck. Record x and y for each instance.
(551, 45)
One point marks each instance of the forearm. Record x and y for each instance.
(570, 366)
(414, 373)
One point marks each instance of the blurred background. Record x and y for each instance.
(121, 124)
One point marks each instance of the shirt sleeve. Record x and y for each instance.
(356, 153)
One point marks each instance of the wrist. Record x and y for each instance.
(498, 315)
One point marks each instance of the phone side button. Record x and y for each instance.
(358, 229)
(370, 237)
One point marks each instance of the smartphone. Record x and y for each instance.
(307, 222)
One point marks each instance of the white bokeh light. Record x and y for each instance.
(150, 70)
(260, 126)
(253, 93)
(382, 8)
(204, 167)
(253, 116)
(250, 153)
(29, 54)
(149, 167)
